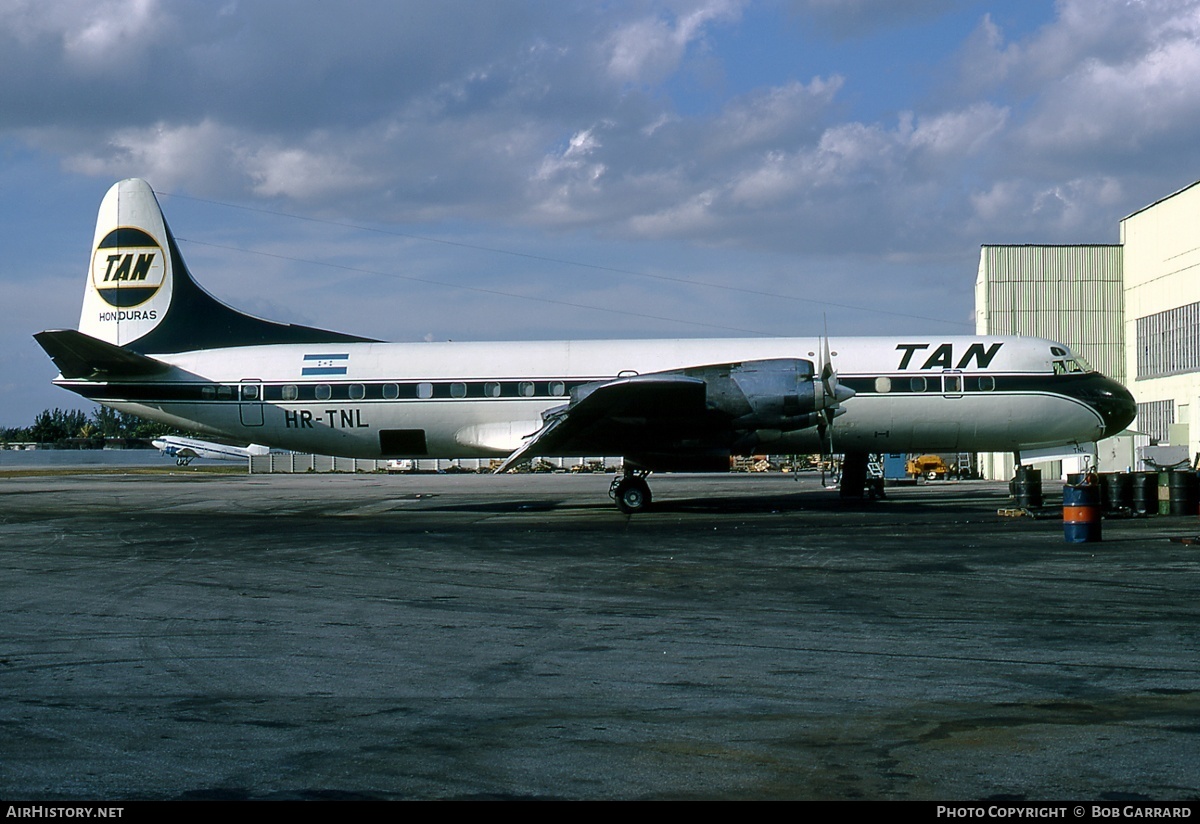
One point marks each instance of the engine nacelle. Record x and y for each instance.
(781, 394)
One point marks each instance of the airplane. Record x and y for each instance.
(152, 342)
(185, 450)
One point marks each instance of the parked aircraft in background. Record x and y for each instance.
(152, 342)
(185, 450)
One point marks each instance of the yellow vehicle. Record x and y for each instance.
(928, 466)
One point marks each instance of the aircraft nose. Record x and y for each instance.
(1112, 402)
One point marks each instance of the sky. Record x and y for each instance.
(526, 170)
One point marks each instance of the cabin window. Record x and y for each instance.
(224, 393)
(323, 392)
(917, 384)
(357, 391)
(249, 391)
(491, 389)
(525, 389)
(458, 390)
(391, 391)
(987, 383)
(208, 392)
(953, 385)
(290, 392)
(424, 390)
(557, 388)
(883, 384)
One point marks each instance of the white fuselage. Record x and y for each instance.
(481, 399)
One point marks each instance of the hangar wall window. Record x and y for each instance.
(1168, 343)
(1154, 418)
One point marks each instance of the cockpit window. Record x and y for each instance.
(1070, 366)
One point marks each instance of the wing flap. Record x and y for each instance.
(601, 416)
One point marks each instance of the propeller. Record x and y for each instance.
(832, 396)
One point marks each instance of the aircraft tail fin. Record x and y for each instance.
(141, 296)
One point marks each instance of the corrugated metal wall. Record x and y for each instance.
(1072, 294)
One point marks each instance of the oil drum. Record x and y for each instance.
(1081, 513)
(1027, 487)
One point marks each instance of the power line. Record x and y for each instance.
(563, 262)
(480, 289)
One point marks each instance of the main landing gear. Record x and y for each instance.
(631, 492)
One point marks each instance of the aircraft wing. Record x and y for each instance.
(672, 419)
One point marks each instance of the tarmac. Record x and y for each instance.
(191, 635)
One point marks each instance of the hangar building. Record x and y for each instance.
(1131, 309)
(1162, 316)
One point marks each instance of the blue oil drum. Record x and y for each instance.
(1081, 513)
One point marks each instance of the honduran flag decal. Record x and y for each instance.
(325, 364)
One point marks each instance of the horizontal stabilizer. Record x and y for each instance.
(81, 356)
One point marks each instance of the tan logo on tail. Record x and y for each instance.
(128, 267)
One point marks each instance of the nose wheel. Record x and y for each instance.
(631, 493)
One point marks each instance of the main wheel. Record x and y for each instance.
(632, 495)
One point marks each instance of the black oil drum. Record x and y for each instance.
(1181, 493)
(1116, 491)
(1143, 493)
(1027, 487)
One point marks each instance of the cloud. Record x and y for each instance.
(1031, 211)
(558, 118)
(170, 155)
(1107, 81)
(108, 28)
(648, 49)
